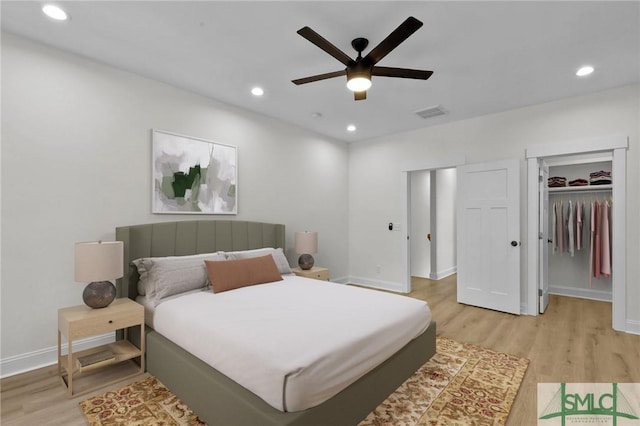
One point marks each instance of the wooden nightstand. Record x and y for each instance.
(81, 321)
(316, 272)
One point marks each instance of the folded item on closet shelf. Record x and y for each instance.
(601, 181)
(601, 177)
(579, 182)
(556, 181)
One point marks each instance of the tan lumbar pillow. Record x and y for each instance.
(231, 274)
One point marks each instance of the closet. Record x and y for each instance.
(562, 154)
(579, 259)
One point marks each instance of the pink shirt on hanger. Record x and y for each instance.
(597, 248)
(605, 241)
(578, 225)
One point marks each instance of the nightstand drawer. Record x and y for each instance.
(103, 324)
(317, 273)
(81, 321)
(320, 275)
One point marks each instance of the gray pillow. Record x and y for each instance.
(161, 277)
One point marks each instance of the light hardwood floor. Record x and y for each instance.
(572, 342)
(39, 398)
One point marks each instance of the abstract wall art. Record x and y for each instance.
(192, 175)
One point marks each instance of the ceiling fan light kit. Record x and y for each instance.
(360, 70)
(358, 83)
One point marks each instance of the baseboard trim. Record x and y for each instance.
(584, 293)
(633, 327)
(44, 357)
(378, 284)
(443, 274)
(340, 280)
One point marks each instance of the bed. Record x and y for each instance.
(216, 398)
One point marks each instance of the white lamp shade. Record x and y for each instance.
(306, 242)
(358, 84)
(98, 261)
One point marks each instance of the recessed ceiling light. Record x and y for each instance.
(351, 128)
(586, 70)
(257, 91)
(54, 12)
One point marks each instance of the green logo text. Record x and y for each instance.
(564, 404)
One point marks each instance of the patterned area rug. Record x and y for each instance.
(461, 384)
(142, 403)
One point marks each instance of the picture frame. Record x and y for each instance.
(192, 175)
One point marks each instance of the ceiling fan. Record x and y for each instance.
(360, 70)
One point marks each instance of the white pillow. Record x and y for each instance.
(278, 256)
(165, 276)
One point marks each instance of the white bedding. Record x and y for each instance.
(297, 342)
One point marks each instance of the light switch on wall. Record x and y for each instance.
(394, 226)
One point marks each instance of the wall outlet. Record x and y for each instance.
(378, 268)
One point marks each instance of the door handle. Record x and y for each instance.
(514, 243)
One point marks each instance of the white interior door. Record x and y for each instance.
(488, 216)
(543, 236)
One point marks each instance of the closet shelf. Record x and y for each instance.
(586, 188)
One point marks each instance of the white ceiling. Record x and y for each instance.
(486, 56)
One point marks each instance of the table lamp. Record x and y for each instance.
(306, 244)
(96, 263)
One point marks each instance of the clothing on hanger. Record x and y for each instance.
(578, 225)
(571, 229)
(560, 228)
(554, 239)
(605, 239)
(597, 255)
(570, 233)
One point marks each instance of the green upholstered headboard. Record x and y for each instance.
(190, 237)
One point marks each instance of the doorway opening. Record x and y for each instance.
(538, 285)
(432, 233)
(428, 185)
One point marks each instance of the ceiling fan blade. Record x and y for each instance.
(401, 72)
(319, 77)
(393, 40)
(360, 96)
(325, 45)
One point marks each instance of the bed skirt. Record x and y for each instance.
(218, 400)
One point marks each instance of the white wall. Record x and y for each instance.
(420, 223)
(446, 219)
(76, 147)
(376, 180)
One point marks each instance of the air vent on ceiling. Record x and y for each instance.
(433, 111)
